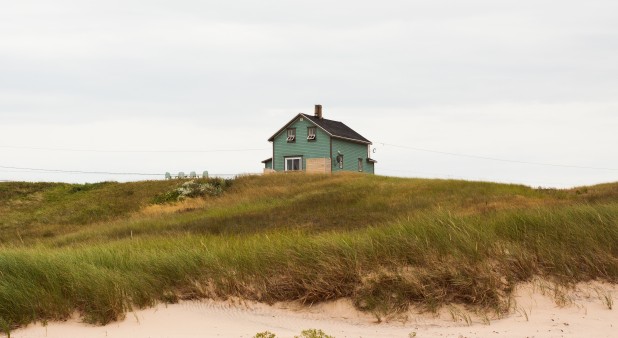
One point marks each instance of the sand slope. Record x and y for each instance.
(582, 313)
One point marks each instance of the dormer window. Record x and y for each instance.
(291, 135)
(311, 133)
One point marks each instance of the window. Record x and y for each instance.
(360, 164)
(311, 133)
(292, 135)
(340, 161)
(293, 163)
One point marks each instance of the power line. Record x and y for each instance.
(60, 171)
(132, 151)
(42, 170)
(80, 171)
(433, 175)
(495, 158)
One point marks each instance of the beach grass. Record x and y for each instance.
(385, 243)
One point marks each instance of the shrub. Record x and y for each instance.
(313, 333)
(193, 189)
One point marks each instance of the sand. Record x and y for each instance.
(538, 311)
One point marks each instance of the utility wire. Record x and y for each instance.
(79, 171)
(59, 171)
(487, 158)
(393, 172)
(495, 158)
(133, 151)
(234, 150)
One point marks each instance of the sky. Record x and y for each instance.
(508, 91)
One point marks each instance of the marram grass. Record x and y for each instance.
(428, 261)
(471, 251)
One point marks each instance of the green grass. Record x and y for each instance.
(48, 209)
(386, 243)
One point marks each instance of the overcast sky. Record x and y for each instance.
(156, 86)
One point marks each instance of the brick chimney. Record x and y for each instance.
(318, 111)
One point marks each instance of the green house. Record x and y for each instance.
(317, 145)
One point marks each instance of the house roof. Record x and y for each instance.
(267, 160)
(333, 128)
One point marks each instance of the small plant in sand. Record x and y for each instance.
(609, 302)
(459, 314)
(265, 334)
(605, 297)
(313, 333)
(523, 312)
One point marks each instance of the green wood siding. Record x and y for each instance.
(268, 165)
(351, 153)
(320, 148)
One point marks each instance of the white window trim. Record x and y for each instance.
(285, 163)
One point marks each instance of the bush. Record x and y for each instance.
(193, 189)
(313, 333)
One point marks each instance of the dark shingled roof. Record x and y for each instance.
(337, 129)
(334, 128)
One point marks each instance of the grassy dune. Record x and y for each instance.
(386, 243)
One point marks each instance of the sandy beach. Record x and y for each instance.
(583, 312)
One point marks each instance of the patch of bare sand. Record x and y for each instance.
(539, 310)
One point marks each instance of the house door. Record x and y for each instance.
(293, 163)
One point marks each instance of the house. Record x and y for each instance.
(316, 145)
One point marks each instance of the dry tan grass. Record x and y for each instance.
(156, 210)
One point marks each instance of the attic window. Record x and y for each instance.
(311, 133)
(292, 135)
